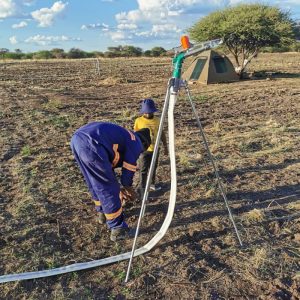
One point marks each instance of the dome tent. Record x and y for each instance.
(210, 67)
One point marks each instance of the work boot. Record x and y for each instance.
(118, 234)
(155, 187)
(101, 218)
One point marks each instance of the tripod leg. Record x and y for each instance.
(149, 177)
(220, 185)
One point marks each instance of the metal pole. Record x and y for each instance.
(149, 177)
(213, 164)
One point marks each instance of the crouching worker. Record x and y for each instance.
(99, 148)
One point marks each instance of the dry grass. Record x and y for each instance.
(253, 216)
(294, 205)
(259, 258)
(111, 81)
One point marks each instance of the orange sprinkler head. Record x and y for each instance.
(185, 42)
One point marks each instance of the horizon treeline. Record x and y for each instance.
(119, 51)
(73, 53)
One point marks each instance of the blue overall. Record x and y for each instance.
(99, 147)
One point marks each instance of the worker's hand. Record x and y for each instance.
(127, 193)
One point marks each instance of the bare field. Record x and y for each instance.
(47, 216)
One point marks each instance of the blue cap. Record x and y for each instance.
(148, 106)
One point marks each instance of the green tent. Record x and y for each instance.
(210, 67)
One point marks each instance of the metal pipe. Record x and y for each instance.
(149, 177)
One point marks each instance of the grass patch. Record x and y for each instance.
(61, 122)
(121, 275)
(50, 263)
(53, 105)
(200, 98)
(25, 207)
(295, 205)
(126, 113)
(254, 216)
(259, 258)
(250, 146)
(26, 151)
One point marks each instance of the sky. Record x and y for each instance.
(94, 25)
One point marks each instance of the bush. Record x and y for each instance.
(76, 53)
(42, 55)
(157, 51)
(58, 53)
(13, 55)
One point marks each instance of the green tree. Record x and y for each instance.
(44, 54)
(131, 51)
(76, 53)
(158, 51)
(245, 29)
(58, 53)
(113, 51)
(29, 56)
(3, 51)
(147, 53)
(14, 55)
(98, 54)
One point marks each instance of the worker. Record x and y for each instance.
(99, 148)
(150, 121)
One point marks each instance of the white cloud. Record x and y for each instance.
(7, 8)
(43, 40)
(163, 18)
(22, 24)
(161, 31)
(10, 8)
(13, 40)
(118, 36)
(129, 26)
(162, 10)
(132, 16)
(28, 2)
(165, 28)
(102, 26)
(45, 16)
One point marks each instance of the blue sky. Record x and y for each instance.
(32, 25)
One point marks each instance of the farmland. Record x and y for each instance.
(48, 219)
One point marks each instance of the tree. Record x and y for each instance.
(158, 51)
(14, 55)
(245, 29)
(113, 51)
(58, 53)
(43, 54)
(76, 53)
(3, 51)
(147, 53)
(297, 30)
(98, 54)
(131, 51)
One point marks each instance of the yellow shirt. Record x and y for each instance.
(152, 124)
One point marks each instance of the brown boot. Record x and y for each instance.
(118, 234)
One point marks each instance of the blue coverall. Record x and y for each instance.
(99, 147)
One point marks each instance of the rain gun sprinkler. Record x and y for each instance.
(175, 83)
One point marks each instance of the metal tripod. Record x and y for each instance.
(174, 86)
